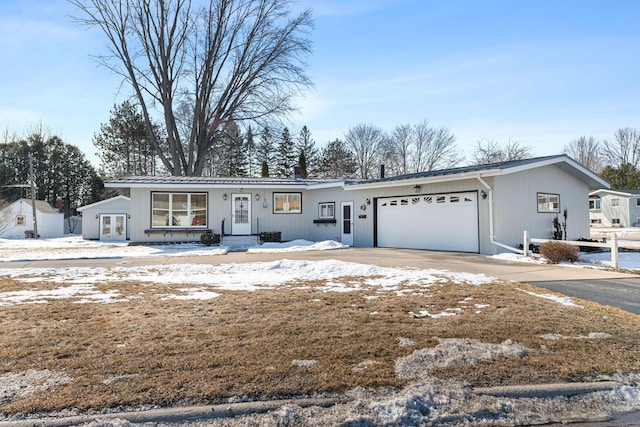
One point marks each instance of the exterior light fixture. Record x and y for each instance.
(257, 197)
(483, 194)
(416, 189)
(224, 196)
(368, 201)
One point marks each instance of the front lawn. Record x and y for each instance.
(176, 336)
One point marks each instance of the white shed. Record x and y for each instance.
(19, 215)
(107, 219)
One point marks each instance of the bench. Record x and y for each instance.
(177, 230)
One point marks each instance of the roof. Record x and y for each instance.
(466, 172)
(491, 169)
(41, 206)
(103, 202)
(624, 193)
(206, 181)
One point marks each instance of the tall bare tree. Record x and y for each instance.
(625, 149)
(240, 60)
(586, 151)
(366, 142)
(490, 151)
(435, 148)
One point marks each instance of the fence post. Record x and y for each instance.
(614, 251)
(525, 244)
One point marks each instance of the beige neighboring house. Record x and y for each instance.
(614, 208)
(19, 215)
(106, 220)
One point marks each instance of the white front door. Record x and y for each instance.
(241, 214)
(113, 227)
(346, 223)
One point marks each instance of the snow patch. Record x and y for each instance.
(566, 301)
(18, 385)
(296, 246)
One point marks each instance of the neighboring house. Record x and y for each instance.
(107, 219)
(50, 221)
(481, 209)
(614, 208)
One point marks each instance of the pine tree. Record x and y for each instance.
(307, 145)
(337, 161)
(264, 151)
(285, 155)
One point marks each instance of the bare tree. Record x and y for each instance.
(437, 150)
(240, 60)
(586, 151)
(366, 142)
(398, 150)
(490, 151)
(624, 150)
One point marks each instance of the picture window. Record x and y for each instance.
(179, 209)
(287, 203)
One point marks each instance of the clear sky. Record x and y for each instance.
(543, 72)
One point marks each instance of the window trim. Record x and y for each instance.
(20, 223)
(597, 204)
(189, 209)
(615, 202)
(332, 204)
(287, 212)
(548, 202)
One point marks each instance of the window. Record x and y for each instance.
(327, 210)
(615, 202)
(615, 221)
(638, 201)
(594, 203)
(179, 209)
(548, 202)
(21, 220)
(596, 221)
(441, 199)
(287, 203)
(454, 199)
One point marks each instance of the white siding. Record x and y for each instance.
(91, 216)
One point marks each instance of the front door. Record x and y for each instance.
(346, 231)
(241, 214)
(113, 227)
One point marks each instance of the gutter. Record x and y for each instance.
(491, 231)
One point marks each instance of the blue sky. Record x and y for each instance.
(541, 72)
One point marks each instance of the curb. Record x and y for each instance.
(547, 390)
(177, 414)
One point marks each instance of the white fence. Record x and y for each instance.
(611, 243)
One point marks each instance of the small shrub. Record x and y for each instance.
(555, 252)
(271, 236)
(209, 238)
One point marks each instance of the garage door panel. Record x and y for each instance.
(446, 222)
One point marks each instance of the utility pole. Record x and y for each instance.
(33, 197)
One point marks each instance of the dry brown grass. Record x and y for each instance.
(169, 352)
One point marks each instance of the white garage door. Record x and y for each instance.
(444, 222)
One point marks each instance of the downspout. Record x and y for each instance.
(491, 233)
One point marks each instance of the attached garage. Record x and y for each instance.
(445, 222)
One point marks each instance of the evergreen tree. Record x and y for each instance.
(285, 155)
(302, 162)
(264, 151)
(305, 144)
(337, 161)
(124, 144)
(264, 169)
(60, 169)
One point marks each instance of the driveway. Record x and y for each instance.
(620, 290)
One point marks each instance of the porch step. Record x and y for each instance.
(239, 243)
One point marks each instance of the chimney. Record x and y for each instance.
(59, 203)
(297, 172)
(382, 171)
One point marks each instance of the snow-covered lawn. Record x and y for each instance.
(74, 247)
